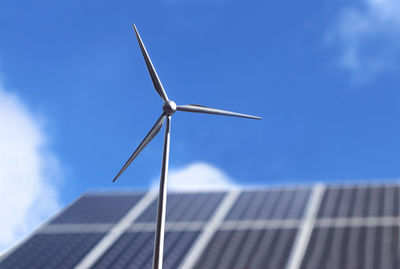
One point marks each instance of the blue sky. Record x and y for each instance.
(324, 75)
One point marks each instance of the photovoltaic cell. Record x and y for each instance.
(334, 242)
(248, 249)
(353, 247)
(270, 204)
(135, 250)
(51, 251)
(98, 209)
(346, 202)
(185, 207)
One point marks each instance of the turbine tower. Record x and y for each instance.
(169, 108)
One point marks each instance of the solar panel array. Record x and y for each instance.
(337, 226)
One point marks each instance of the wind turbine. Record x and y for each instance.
(169, 108)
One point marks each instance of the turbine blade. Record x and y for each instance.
(153, 74)
(209, 110)
(153, 132)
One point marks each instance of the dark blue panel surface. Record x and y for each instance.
(330, 246)
(186, 207)
(135, 250)
(270, 204)
(353, 247)
(360, 201)
(255, 249)
(51, 251)
(98, 209)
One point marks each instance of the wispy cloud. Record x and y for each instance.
(27, 172)
(367, 35)
(199, 176)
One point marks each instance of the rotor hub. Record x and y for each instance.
(169, 107)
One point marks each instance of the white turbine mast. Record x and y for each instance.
(169, 108)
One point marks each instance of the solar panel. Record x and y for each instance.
(260, 248)
(353, 247)
(98, 209)
(185, 207)
(322, 226)
(270, 204)
(52, 251)
(356, 201)
(135, 250)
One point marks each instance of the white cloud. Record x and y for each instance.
(368, 38)
(26, 169)
(199, 176)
